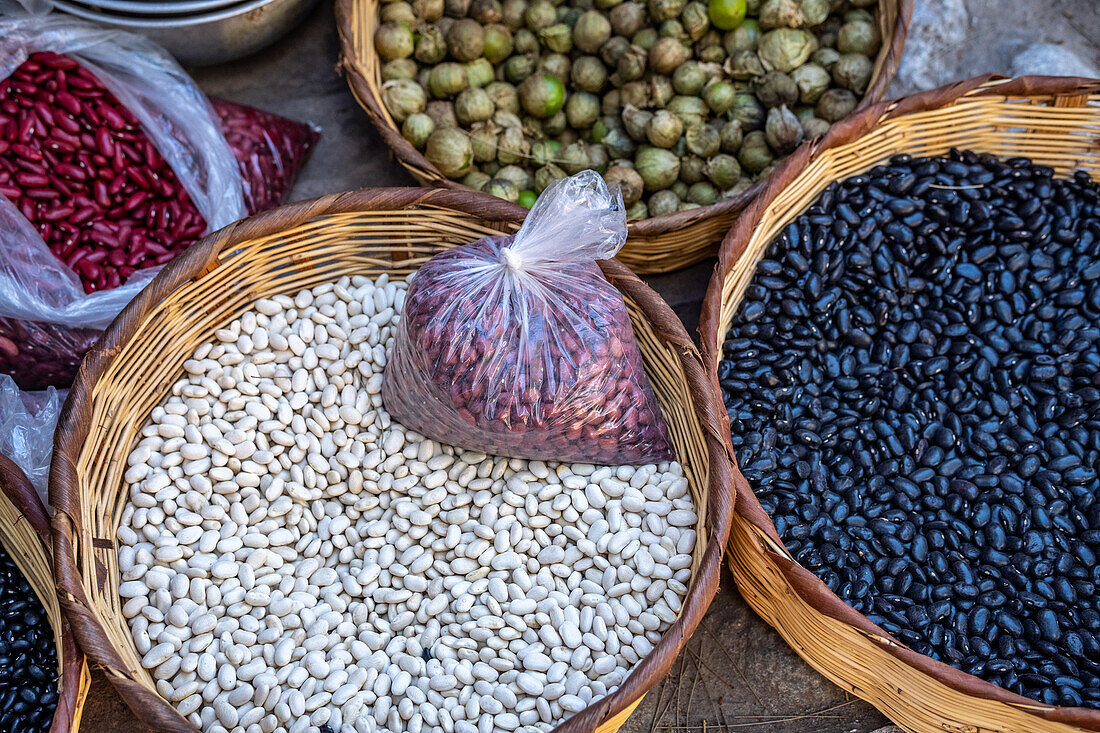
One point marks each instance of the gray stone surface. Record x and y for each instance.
(956, 39)
(1042, 58)
(737, 674)
(934, 46)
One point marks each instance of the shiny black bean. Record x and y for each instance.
(28, 657)
(924, 351)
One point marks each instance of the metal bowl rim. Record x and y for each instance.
(164, 23)
(154, 8)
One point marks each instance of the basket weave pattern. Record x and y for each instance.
(1053, 121)
(660, 244)
(25, 535)
(299, 246)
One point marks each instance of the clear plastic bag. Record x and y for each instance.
(172, 110)
(47, 322)
(215, 162)
(27, 422)
(520, 347)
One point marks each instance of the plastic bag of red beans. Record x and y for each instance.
(118, 162)
(520, 347)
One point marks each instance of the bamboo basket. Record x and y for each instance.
(367, 232)
(657, 245)
(25, 535)
(1053, 121)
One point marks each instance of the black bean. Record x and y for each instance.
(28, 656)
(924, 353)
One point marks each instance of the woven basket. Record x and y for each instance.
(25, 535)
(660, 244)
(368, 232)
(1053, 121)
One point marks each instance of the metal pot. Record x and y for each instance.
(219, 35)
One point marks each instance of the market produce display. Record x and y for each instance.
(519, 346)
(680, 103)
(910, 379)
(28, 656)
(291, 557)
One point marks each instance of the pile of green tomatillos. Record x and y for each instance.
(681, 103)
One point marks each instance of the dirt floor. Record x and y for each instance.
(736, 674)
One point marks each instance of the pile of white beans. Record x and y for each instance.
(291, 560)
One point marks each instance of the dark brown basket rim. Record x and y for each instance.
(413, 160)
(17, 489)
(747, 507)
(201, 258)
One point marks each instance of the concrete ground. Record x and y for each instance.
(737, 674)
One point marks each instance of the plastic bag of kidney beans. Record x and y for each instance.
(270, 151)
(118, 162)
(520, 347)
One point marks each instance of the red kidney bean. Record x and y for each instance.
(102, 197)
(45, 115)
(78, 82)
(570, 387)
(69, 170)
(104, 142)
(26, 152)
(139, 178)
(136, 199)
(111, 117)
(59, 213)
(89, 269)
(69, 102)
(32, 179)
(117, 183)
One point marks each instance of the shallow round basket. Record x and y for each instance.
(1053, 121)
(25, 535)
(656, 245)
(367, 232)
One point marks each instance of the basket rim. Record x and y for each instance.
(16, 489)
(807, 585)
(415, 162)
(200, 259)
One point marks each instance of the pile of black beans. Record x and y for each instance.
(28, 655)
(913, 384)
